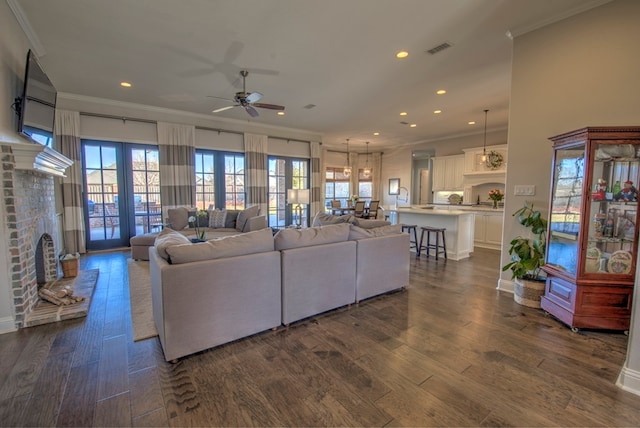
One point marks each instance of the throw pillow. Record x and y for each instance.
(260, 241)
(168, 238)
(245, 215)
(358, 232)
(322, 219)
(230, 222)
(217, 218)
(296, 238)
(178, 218)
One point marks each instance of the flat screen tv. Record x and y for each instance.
(36, 108)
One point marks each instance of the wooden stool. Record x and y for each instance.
(437, 231)
(412, 244)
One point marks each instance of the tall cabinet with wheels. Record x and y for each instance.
(592, 242)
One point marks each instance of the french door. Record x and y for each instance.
(122, 192)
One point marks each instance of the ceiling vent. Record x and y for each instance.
(439, 48)
(309, 106)
(404, 123)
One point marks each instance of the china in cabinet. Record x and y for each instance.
(592, 240)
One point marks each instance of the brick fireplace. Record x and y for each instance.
(32, 226)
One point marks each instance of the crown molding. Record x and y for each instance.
(587, 5)
(23, 21)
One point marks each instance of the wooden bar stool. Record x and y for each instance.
(439, 248)
(412, 244)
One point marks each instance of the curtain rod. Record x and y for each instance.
(218, 130)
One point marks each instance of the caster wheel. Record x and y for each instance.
(575, 329)
(626, 332)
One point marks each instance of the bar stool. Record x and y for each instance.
(438, 232)
(412, 244)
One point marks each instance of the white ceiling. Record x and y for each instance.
(336, 54)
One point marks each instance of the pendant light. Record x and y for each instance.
(484, 146)
(347, 169)
(367, 171)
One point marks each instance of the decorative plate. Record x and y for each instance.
(494, 160)
(619, 262)
(455, 199)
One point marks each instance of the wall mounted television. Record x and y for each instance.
(36, 109)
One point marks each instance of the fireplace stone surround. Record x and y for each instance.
(32, 226)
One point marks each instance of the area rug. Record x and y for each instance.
(83, 286)
(140, 296)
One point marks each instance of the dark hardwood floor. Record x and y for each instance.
(449, 351)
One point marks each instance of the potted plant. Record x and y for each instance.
(527, 258)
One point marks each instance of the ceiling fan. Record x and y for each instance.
(247, 100)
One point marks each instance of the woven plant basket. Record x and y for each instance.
(70, 268)
(528, 293)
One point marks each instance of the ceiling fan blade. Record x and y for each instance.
(269, 106)
(220, 98)
(218, 110)
(252, 112)
(253, 97)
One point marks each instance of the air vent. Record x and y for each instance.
(309, 106)
(439, 48)
(404, 123)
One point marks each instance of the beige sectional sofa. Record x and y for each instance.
(210, 293)
(234, 222)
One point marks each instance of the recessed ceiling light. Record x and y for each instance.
(473, 122)
(404, 113)
(402, 54)
(437, 111)
(280, 113)
(441, 92)
(376, 133)
(125, 84)
(413, 125)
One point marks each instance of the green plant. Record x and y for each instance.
(527, 254)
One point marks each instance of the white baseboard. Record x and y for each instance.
(505, 285)
(7, 325)
(629, 380)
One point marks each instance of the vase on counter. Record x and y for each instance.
(495, 204)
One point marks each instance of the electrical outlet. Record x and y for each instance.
(524, 190)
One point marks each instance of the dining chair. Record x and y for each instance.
(358, 209)
(372, 211)
(336, 207)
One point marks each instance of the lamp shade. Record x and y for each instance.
(298, 196)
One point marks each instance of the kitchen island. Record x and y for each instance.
(459, 225)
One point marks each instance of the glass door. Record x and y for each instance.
(105, 225)
(143, 202)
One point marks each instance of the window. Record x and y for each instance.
(219, 180)
(336, 186)
(286, 173)
(205, 179)
(365, 185)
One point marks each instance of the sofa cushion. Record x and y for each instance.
(295, 238)
(166, 238)
(357, 232)
(245, 215)
(322, 219)
(230, 221)
(217, 218)
(370, 223)
(178, 218)
(259, 241)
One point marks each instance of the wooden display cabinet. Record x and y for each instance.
(592, 240)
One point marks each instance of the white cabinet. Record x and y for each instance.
(488, 229)
(448, 173)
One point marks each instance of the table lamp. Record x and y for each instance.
(298, 197)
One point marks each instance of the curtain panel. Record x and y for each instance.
(176, 144)
(376, 169)
(354, 179)
(316, 196)
(255, 154)
(67, 142)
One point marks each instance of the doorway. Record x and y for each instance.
(122, 192)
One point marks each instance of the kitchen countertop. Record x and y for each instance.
(446, 208)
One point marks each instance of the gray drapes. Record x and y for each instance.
(316, 194)
(376, 169)
(255, 153)
(176, 145)
(67, 142)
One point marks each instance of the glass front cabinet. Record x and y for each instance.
(592, 240)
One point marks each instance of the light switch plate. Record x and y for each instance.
(524, 190)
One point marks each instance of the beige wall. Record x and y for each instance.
(582, 71)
